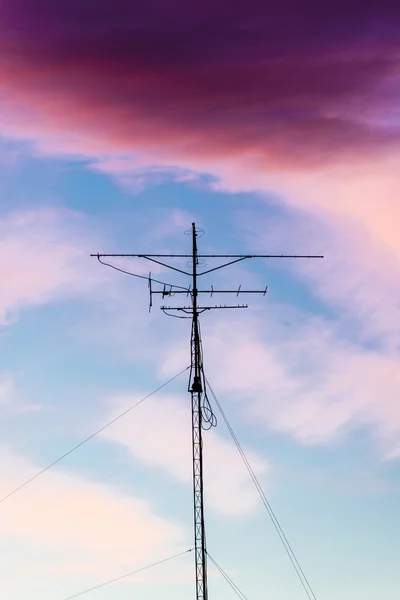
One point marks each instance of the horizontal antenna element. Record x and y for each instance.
(202, 308)
(208, 255)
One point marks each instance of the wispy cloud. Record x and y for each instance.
(352, 354)
(159, 435)
(359, 279)
(11, 405)
(81, 528)
(44, 255)
(296, 374)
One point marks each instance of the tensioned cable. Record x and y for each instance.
(90, 437)
(289, 550)
(179, 287)
(110, 581)
(233, 585)
(209, 419)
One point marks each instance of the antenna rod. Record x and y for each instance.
(210, 255)
(196, 392)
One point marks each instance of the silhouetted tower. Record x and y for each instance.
(202, 415)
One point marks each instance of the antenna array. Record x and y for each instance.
(202, 415)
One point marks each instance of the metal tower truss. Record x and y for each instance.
(202, 415)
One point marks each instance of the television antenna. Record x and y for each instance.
(202, 414)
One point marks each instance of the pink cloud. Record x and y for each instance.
(315, 96)
(360, 275)
(296, 374)
(268, 95)
(63, 519)
(44, 255)
(164, 423)
(254, 84)
(11, 405)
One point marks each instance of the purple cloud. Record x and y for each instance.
(292, 83)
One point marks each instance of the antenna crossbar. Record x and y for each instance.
(207, 255)
(211, 291)
(202, 308)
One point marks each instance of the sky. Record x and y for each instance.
(276, 129)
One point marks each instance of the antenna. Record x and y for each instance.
(202, 415)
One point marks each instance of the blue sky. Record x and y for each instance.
(275, 128)
(308, 376)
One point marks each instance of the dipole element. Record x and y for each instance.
(202, 416)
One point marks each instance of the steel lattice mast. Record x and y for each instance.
(199, 401)
(196, 390)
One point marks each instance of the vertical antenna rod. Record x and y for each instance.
(202, 416)
(196, 391)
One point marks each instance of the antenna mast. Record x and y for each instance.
(196, 390)
(202, 415)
